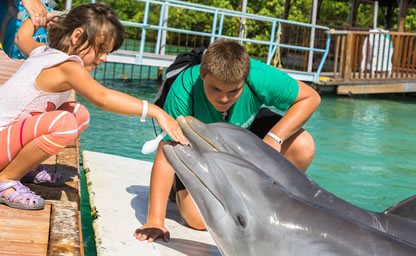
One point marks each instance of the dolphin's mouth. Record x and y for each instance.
(190, 128)
(181, 153)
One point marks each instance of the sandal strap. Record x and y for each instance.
(5, 186)
(44, 175)
(21, 194)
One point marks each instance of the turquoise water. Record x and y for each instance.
(365, 146)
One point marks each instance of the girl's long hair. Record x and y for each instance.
(98, 21)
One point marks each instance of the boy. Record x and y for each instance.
(228, 86)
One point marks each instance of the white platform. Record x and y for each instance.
(118, 188)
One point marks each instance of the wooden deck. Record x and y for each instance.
(55, 230)
(22, 234)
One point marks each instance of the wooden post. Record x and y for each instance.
(348, 57)
(388, 16)
(353, 13)
(403, 8)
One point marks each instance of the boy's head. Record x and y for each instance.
(224, 69)
(227, 61)
(99, 26)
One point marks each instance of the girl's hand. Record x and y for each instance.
(37, 12)
(171, 127)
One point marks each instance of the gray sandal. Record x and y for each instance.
(19, 198)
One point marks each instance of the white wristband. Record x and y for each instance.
(144, 111)
(275, 137)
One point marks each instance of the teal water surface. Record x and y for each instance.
(365, 146)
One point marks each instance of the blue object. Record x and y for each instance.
(12, 15)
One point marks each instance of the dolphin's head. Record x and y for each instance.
(230, 193)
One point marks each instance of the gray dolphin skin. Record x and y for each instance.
(255, 202)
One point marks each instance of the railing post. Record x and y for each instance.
(312, 41)
(143, 38)
(221, 24)
(68, 5)
(321, 64)
(241, 33)
(162, 22)
(348, 57)
(214, 26)
(269, 57)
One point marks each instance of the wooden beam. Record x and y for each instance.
(376, 88)
(65, 235)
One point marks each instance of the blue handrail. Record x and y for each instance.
(216, 29)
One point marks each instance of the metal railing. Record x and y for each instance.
(274, 45)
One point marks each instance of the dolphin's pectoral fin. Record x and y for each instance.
(405, 208)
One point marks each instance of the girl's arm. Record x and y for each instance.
(24, 41)
(24, 37)
(78, 78)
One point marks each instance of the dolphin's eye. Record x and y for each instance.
(241, 220)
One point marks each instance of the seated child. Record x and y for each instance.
(35, 120)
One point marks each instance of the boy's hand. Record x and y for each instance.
(151, 232)
(37, 12)
(171, 127)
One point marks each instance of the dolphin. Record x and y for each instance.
(243, 145)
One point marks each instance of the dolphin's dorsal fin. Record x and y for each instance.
(405, 208)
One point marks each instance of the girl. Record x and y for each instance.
(35, 122)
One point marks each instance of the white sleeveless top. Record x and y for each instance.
(21, 98)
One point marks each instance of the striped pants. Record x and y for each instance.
(51, 131)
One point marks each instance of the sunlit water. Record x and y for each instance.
(365, 146)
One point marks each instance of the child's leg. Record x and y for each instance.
(50, 132)
(40, 174)
(80, 112)
(26, 143)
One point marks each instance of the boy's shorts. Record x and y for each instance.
(12, 15)
(264, 122)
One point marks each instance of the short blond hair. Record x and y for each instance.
(227, 61)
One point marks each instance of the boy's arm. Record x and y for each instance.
(160, 185)
(296, 116)
(24, 41)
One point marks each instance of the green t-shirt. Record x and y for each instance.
(268, 86)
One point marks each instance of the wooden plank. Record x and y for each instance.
(24, 232)
(64, 234)
(11, 248)
(348, 57)
(376, 88)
